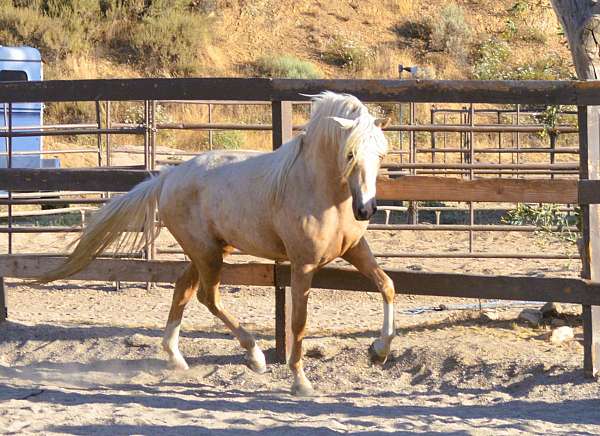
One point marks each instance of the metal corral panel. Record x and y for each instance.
(21, 64)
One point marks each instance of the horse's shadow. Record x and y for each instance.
(13, 331)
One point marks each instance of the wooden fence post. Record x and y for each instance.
(589, 148)
(281, 112)
(3, 308)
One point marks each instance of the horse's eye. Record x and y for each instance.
(350, 156)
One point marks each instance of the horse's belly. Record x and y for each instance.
(252, 237)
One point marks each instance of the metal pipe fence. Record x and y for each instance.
(149, 128)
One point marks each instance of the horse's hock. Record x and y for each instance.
(561, 187)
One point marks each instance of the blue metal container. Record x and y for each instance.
(22, 64)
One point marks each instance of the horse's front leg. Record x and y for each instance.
(300, 281)
(362, 258)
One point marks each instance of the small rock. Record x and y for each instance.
(321, 351)
(561, 334)
(552, 310)
(557, 322)
(138, 340)
(490, 315)
(316, 352)
(532, 317)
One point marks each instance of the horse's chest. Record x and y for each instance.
(331, 245)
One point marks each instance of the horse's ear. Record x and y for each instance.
(344, 123)
(382, 123)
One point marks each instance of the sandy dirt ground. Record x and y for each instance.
(84, 358)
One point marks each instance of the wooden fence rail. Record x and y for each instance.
(565, 290)
(433, 91)
(403, 188)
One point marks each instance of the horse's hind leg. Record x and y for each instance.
(185, 288)
(210, 296)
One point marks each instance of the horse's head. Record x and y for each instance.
(362, 147)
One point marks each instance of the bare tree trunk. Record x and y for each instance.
(580, 20)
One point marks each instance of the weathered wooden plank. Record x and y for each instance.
(421, 188)
(159, 271)
(467, 91)
(589, 192)
(589, 137)
(415, 188)
(566, 290)
(72, 179)
(137, 89)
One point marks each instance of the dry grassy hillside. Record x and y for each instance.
(483, 39)
(450, 39)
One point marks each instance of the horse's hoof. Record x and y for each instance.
(303, 390)
(177, 365)
(376, 358)
(255, 360)
(256, 367)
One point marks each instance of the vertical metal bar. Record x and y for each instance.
(108, 124)
(10, 164)
(281, 112)
(7, 122)
(152, 143)
(146, 132)
(499, 139)
(589, 152)
(445, 136)
(553, 138)
(153, 135)
(413, 206)
(518, 136)
(99, 136)
(432, 121)
(147, 163)
(210, 132)
(471, 173)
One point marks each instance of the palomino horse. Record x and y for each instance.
(309, 202)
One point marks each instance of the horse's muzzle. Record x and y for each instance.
(364, 212)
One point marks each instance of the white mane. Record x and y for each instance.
(322, 130)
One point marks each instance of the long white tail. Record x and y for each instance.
(128, 219)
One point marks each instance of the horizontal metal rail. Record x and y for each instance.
(478, 128)
(41, 229)
(465, 227)
(49, 201)
(479, 166)
(69, 132)
(46, 152)
(558, 150)
(437, 255)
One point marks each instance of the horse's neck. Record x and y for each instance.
(319, 168)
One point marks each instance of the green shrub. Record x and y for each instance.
(287, 67)
(450, 32)
(547, 218)
(492, 63)
(491, 59)
(228, 140)
(168, 42)
(347, 53)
